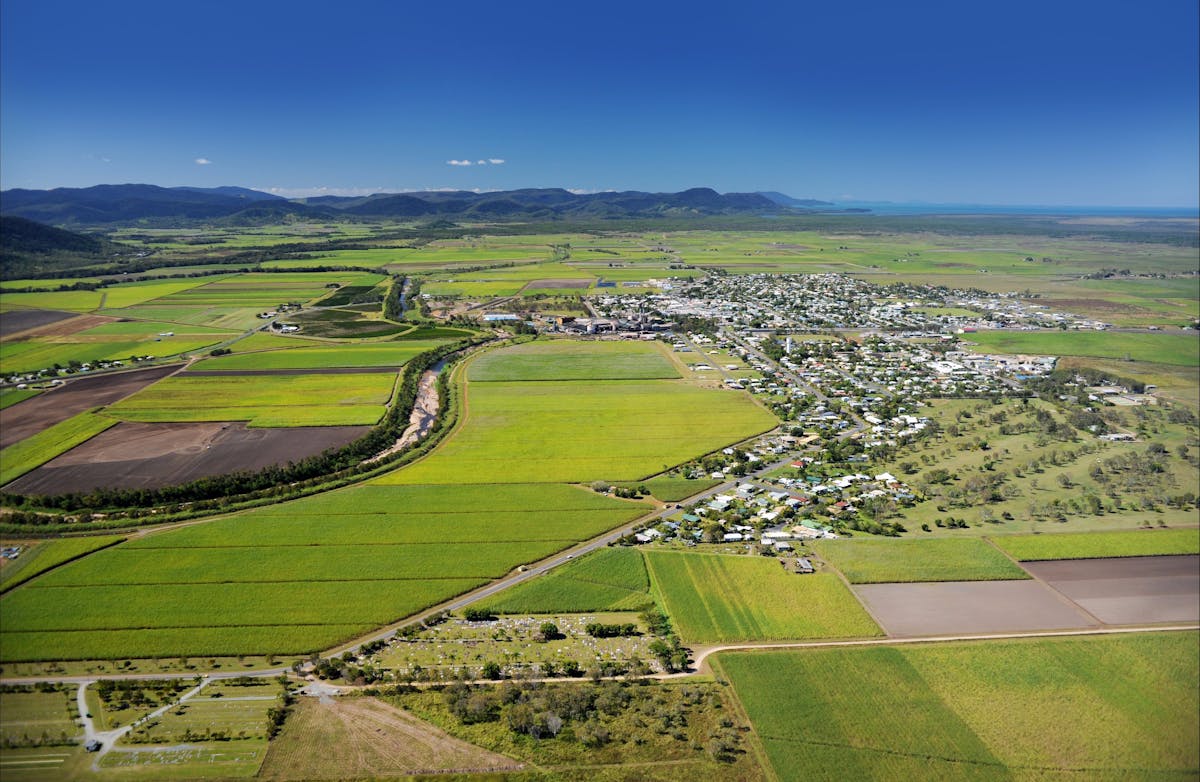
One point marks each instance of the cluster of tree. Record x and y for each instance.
(123, 693)
(479, 615)
(393, 308)
(277, 715)
(593, 715)
(602, 630)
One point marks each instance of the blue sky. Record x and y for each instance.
(1059, 102)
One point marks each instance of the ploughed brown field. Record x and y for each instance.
(148, 456)
(1128, 590)
(16, 321)
(1065, 594)
(27, 418)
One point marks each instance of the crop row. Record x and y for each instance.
(1096, 708)
(740, 598)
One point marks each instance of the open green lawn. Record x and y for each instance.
(1096, 708)
(1177, 349)
(571, 360)
(937, 559)
(611, 430)
(369, 355)
(1090, 545)
(712, 598)
(610, 579)
(31, 718)
(269, 401)
(19, 458)
(360, 557)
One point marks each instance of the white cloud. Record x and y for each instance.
(481, 162)
(203, 161)
(459, 162)
(496, 161)
(105, 160)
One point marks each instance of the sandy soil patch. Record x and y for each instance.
(27, 418)
(372, 739)
(954, 607)
(1128, 590)
(146, 456)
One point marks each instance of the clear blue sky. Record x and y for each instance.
(1050, 102)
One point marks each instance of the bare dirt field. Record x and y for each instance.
(1132, 590)
(372, 739)
(552, 283)
(65, 328)
(16, 321)
(954, 607)
(45, 410)
(146, 456)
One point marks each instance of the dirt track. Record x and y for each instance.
(147, 456)
(45, 410)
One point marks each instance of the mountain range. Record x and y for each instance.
(107, 204)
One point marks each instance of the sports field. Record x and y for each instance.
(361, 557)
(939, 559)
(712, 597)
(1096, 708)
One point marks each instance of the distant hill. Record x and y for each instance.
(786, 200)
(126, 203)
(112, 204)
(28, 247)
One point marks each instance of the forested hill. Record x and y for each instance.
(114, 204)
(28, 247)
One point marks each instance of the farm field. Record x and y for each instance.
(21, 457)
(944, 559)
(293, 400)
(1174, 349)
(365, 355)
(45, 555)
(134, 455)
(1088, 545)
(32, 355)
(714, 598)
(228, 587)
(572, 360)
(610, 579)
(1110, 707)
(633, 429)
